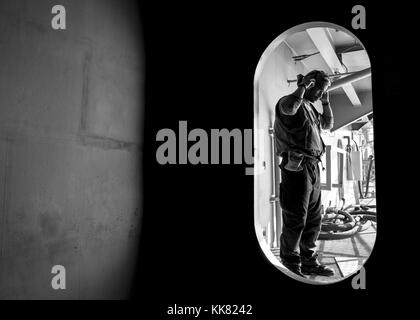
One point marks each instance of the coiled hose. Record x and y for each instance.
(340, 224)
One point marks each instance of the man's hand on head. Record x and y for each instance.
(307, 82)
(325, 98)
(327, 118)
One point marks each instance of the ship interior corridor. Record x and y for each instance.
(348, 189)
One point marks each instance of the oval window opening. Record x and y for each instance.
(314, 181)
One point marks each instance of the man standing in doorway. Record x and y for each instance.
(298, 141)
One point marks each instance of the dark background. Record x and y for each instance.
(198, 244)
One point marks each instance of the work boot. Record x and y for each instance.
(313, 267)
(295, 268)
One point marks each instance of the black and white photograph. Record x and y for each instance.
(205, 160)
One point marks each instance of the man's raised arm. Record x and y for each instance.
(327, 117)
(290, 104)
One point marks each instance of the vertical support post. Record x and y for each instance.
(277, 203)
(273, 239)
(328, 184)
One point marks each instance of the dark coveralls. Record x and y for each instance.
(300, 192)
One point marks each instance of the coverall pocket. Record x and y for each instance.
(294, 161)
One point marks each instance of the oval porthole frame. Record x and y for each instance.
(260, 150)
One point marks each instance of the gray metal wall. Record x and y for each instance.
(70, 148)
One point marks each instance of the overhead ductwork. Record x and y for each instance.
(351, 78)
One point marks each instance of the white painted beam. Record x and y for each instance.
(325, 48)
(359, 59)
(295, 54)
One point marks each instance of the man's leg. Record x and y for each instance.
(295, 190)
(313, 220)
(310, 264)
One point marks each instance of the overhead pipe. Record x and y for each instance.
(351, 78)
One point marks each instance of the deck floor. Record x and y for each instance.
(351, 253)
